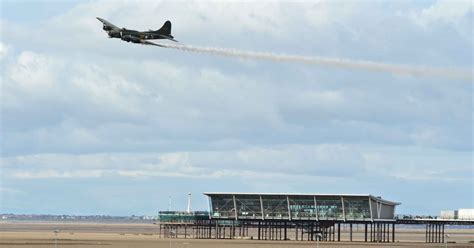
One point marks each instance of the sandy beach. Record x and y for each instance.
(147, 235)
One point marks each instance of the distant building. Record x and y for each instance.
(449, 214)
(466, 214)
(461, 214)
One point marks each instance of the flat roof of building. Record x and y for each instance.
(375, 198)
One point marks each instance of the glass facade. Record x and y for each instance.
(182, 217)
(302, 207)
(329, 207)
(248, 206)
(223, 206)
(357, 207)
(275, 207)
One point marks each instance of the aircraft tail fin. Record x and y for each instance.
(165, 29)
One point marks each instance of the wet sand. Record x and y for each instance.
(94, 235)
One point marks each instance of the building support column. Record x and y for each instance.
(372, 232)
(302, 227)
(258, 230)
(442, 237)
(334, 232)
(375, 232)
(426, 233)
(350, 232)
(209, 234)
(265, 230)
(384, 231)
(365, 232)
(393, 232)
(431, 233)
(296, 231)
(378, 232)
(439, 232)
(338, 232)
(374, 227)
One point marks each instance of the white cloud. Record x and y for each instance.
(33, 72)
(148, 102)
(323, 14)
(425, 136)
(446, 11)
(290, 161)
(4, 50)
(56, 174)
(453, 14)
(315, 99)
(323, 160)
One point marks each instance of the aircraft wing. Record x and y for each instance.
(145, 42)
(107, 23)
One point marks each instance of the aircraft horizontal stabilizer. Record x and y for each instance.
(167, 37)
(173, 39)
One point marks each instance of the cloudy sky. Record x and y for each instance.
(91, 125)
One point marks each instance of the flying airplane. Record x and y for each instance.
(136, 36)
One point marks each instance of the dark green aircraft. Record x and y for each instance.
(136, 36)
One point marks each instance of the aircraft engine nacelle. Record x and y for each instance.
(131, 38)
(126, 38)
(113, 34)
(106, 28)
(136, 40)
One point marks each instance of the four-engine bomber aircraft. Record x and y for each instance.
(137, 36)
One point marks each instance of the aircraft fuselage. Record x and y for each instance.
(137, 36)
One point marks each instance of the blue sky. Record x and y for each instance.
(91, 125)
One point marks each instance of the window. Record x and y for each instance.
(357, 207)
(275, 206)
(302, 207)
(222, 206)
(248, 206)
(329, 207)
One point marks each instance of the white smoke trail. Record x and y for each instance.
(452, 73)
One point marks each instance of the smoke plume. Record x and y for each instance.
(452, 73)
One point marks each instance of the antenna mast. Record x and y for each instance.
(189, 202)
